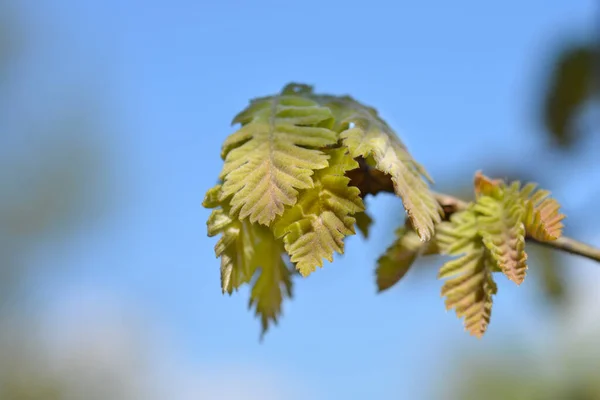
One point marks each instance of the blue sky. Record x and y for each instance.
(458, 80)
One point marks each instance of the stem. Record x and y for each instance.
(572, 246)
(372, 181)
(452, 204)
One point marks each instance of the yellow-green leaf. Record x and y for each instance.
(486, 186)
(469, 284)
(456, 236)
(363, 223)
(211, 199)
(273, 282)
(399, 257)
(273, 155)
(235, 247)
(542, 219)
(503, 232)
(470, 292)
(249, 250)
(366, 135)
(315, 227)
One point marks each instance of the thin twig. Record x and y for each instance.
(372, 181)
(571, 246)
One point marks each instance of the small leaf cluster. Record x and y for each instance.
(286, 200)
(486, 237)
(291, 191)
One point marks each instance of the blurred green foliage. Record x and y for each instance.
(571, 374)
(45, 182)
(572, 83)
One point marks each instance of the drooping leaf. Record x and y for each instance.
(501, 227)
(470, 285)
(236, 245)
(470, 293)
(399, 257)
(235, 248)
(542, 219)
(314, 228)
(363, 223)
(273, 282)
(294, 180)
(246, 251)
(368, 136)
(273, 155)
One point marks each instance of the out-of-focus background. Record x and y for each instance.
(112, 115)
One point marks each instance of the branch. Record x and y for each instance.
(371, 181)
(451, 204)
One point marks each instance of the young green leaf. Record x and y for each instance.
(503, 233)
(363, 223)
(314, 228)
(470, 286)
(235, 246)
(485, 186)
(470, 292)
(246, 251)
(367, 135)
(399, 257)
(274, 281)
(372, 137)
(543, 221)
(273, 154)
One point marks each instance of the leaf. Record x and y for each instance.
(542, 219)
(273, 155)
(470, 285)
(571, 84)
(503, 232)
(366, 135)
(211, 198)
(273, 282)
(399, 257)
(470, 293)
(315, 227)
(486, 186)
(248, 250)
(235, 246)
(456, 236)
(363, 223)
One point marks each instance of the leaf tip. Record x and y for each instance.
(485, 186)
